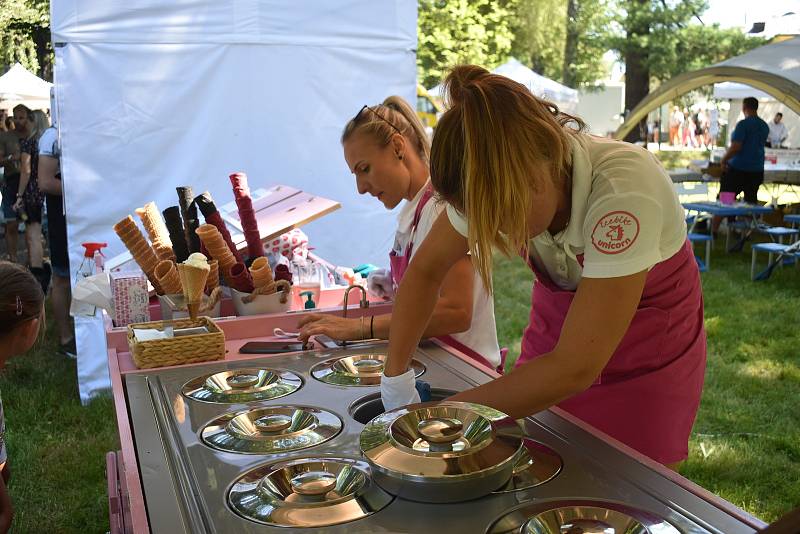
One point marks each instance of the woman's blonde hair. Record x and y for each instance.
(40, 122)
(492, 149)
(384, 120)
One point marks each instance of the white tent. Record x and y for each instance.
(19, 86)
(561, 95)
(157, 94)
(767, 108)
(564, 97)
(773, 68)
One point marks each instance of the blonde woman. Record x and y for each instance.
(30, 200)
(616, 331)
(387, 150)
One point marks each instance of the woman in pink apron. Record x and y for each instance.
(387, 149)
(616, 331)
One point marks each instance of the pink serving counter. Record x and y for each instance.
(165, 479)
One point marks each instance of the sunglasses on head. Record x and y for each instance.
(358, 115)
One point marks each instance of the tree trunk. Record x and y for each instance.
(637, 72)
(41, 40)
(571, 44)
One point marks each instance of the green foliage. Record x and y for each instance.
(25, 35)
(694, 46)
(539, 34)
(453, 32)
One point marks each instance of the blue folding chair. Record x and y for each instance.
(779, 249)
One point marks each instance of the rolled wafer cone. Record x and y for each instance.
(164, 251)
(213, 241)
(193, 280)
(140, 249)
(239, 278)
(168, 277)
(157, 230)
(213, 276)
(262, 274)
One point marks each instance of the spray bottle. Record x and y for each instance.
(92, 260)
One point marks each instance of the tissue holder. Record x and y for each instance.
(131, 299)
(177, 350)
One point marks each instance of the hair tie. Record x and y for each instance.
(19, 306)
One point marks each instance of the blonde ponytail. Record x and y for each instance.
(492, 150)
(384, 120)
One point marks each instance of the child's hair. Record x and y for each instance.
(21, 296)
(393, 116)
(492, 148)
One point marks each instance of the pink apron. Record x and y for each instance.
(398, 265)
(648, 394)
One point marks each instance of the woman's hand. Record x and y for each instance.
(332, 326)
(19, 204)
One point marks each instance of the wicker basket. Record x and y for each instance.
(177, 350)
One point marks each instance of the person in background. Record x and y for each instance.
(50, 185)
(9, 122)
(3, 117)
(387, 150)
(743, 163)
(21, 317)
(9, 161)
(675, 121)
(29, 199)
(777, 132)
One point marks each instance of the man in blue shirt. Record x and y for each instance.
(743, 163)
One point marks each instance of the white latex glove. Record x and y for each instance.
(399, 390)
(379, 283)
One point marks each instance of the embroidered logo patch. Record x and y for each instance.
(615, 232)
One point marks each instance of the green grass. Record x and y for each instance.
(56, 447)
(745, 445)
(748, 424)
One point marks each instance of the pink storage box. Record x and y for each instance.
(131, 299)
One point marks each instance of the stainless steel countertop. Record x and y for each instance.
(186, 482)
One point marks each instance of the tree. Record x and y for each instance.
(25, 35)
(539, 33)
(648, 28)
(588, 30)
(451, 32)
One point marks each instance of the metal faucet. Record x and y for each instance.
(363, 303)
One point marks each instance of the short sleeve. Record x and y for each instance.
(622, 233)
(48, 144)
(457, 221)
(739, 132)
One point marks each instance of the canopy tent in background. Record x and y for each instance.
(767, 108)
(564, 97)
(773, 68)
(20, 86)
(157, 94)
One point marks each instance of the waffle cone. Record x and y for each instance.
(261, 273)
(193, 280)
(164, 251)
(167, 275)
(217, 248)
(143, 254)
(154, 224)
(213, 276)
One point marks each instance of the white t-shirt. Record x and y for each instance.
(777, 133)
(482, 335)
(625, 215)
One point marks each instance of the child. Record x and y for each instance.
(21, 314)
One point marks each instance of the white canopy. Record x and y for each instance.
(564, 97)
(20, 84)
(773, 68)
(735, 90)
(561, 95)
